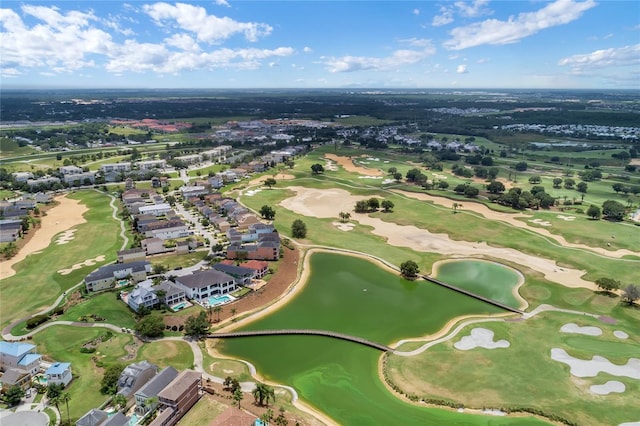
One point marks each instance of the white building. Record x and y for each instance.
(155, 209)
(115, 167)
(151, 164)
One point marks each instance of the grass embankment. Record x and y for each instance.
(37, 274)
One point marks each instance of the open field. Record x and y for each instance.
(98, 235)
(63, 343)
(469, 377)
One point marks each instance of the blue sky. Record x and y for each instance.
(321, 44)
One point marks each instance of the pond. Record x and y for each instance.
(354, 296)
(488, 279)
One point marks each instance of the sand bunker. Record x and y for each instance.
(344, 226)
(66, 236)
(330, 202)
(369, 177)
(597, 364)
(348, 165)
(612, 386)
(88, 262)
(540, 222)
(67, 214)
(511, 219)
(576, 329)
(567, 218)
(252, 192)
(480, 338)
(620, 334)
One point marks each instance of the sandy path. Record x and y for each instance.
(67, 214)
(329, 203)
(510, 218)
(348, 165)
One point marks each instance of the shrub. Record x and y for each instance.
(37, 320)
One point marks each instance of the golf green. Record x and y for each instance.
(354, 296)
(488, 279)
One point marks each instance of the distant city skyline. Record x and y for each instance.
(562, 44)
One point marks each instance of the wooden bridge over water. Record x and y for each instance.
(474, 295)
(303, 332)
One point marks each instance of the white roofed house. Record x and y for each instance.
(155, 209)
(151, 164)
(143, 295)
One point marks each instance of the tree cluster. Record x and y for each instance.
(372, 205)
(520, 200)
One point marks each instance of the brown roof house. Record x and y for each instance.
(178, 397)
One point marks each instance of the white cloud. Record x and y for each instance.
(360, 63)
(69, 42)
(462, 69)
(208, 28)
(183, 42)
(416, 12)
(418, 42)
(620, 56)
(445, 17)
(223, 3)
(307, 49)
(493, 31)
(140, 57)
(472, 9)
(60, 42)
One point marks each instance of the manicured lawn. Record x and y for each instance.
(429, 216)
(167, 352)
(524, 374)
(63, 343)
(37, 273)
(204, 410)
(105, 305)
(172, 261)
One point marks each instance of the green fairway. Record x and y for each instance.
(37, 274)
(487, 279)
(524, 375)
(349, 295)
(63, 343)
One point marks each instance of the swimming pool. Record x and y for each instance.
(178, 307)
(134, 419)
(219, 300)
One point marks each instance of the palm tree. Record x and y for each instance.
(267, 417)
(56, 402)
(151, 402)
(237, 396)
(66, 397)
(344, 217)
(120, 401)
(263, 393)
(233, 312)
(217, 310)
